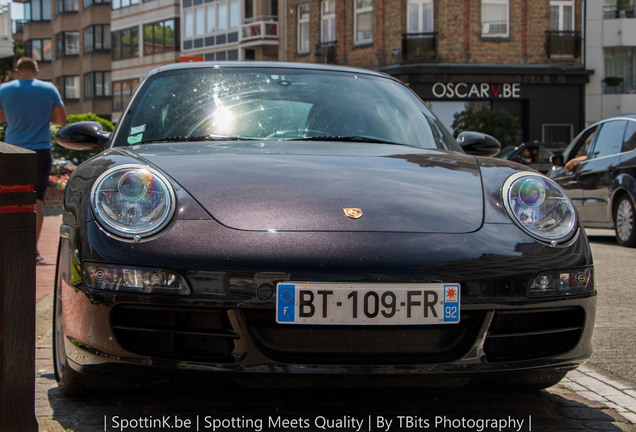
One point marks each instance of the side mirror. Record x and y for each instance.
(83, 135)
(478, 144)
(557, 160)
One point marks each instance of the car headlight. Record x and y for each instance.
(539, 207)
(133, 201)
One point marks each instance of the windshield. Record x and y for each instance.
(505, 153)
(280, 104)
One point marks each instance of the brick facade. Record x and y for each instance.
(457, 26)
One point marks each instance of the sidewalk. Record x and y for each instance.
(591, 399)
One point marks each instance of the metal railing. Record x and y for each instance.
(257, 30)
(612, 86)
(616, 12)
(325, 52)
(419, 46)
(563, 43)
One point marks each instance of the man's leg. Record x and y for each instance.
(39, 219)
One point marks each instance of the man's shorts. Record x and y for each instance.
(44, 163)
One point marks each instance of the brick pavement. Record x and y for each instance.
(587, 399)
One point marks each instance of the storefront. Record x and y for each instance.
(548, 100)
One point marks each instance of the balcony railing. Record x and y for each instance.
(563, 44)
(325, 53)
(419, 46)
(18, 26)
(258, 30)
(615, 12)
(614, 86)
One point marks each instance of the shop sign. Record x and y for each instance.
(462, 90)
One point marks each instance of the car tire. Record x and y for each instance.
(68, 381)
(625, 221)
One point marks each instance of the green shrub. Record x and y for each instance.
(495, 122)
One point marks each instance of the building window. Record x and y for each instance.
(125, 43)
(420, 16)
(97, 84)
(248, 8)
(495, 18)
(189, 23)
(363, 32)
(69, 86)
(122, 91)
(235, 15)
(211, 19)
(619, 9)
(222, 17)
(67, 44)
(328, 21)
(118, 4)
(620, 71)
(38, 10)
(89, 3)
(303, 28)
(557, 132)
(63, 6)
(97, 38)
(562, 15)
(39, 49)
(160, 37)
(199, 22)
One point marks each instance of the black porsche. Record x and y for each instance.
(297, 222)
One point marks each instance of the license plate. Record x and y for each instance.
(367, 304)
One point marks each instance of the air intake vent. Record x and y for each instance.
(186, 334)
(532, 334)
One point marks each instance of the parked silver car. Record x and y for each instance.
(598, 171)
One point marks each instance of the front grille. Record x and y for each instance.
(320, 344)
(183, 333)
(532, 334)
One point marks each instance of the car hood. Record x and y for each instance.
(429, 191)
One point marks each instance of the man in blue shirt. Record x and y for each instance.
(28, 106)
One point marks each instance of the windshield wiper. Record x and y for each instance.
(341, 138)
(194, 138)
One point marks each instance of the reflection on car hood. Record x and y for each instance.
(428, 191)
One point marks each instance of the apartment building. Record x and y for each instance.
(145, 34)
(70, 39)
(6, 34)
(611, 51)
(219, 30)
(524, 56)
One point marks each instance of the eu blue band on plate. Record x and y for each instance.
(451, 303)
(286, 302)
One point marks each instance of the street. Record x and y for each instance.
(615, 330)
(583, 401)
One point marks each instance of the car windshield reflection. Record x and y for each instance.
(226, 104)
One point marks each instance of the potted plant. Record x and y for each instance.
(613, 81)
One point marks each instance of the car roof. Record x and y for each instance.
(542, 143)
(630, 116)
(265, 64)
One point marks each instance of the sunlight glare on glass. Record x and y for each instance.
(223, 121)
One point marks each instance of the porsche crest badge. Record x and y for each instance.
(353, 213)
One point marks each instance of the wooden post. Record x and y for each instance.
(17, 289)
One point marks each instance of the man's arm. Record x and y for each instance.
(58, 115)
(2, 116)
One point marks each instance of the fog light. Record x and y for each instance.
(147, 280)
(562, 283)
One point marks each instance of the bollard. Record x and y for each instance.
(17, 289)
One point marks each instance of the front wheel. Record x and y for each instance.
(624, 216)
(68, 381)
